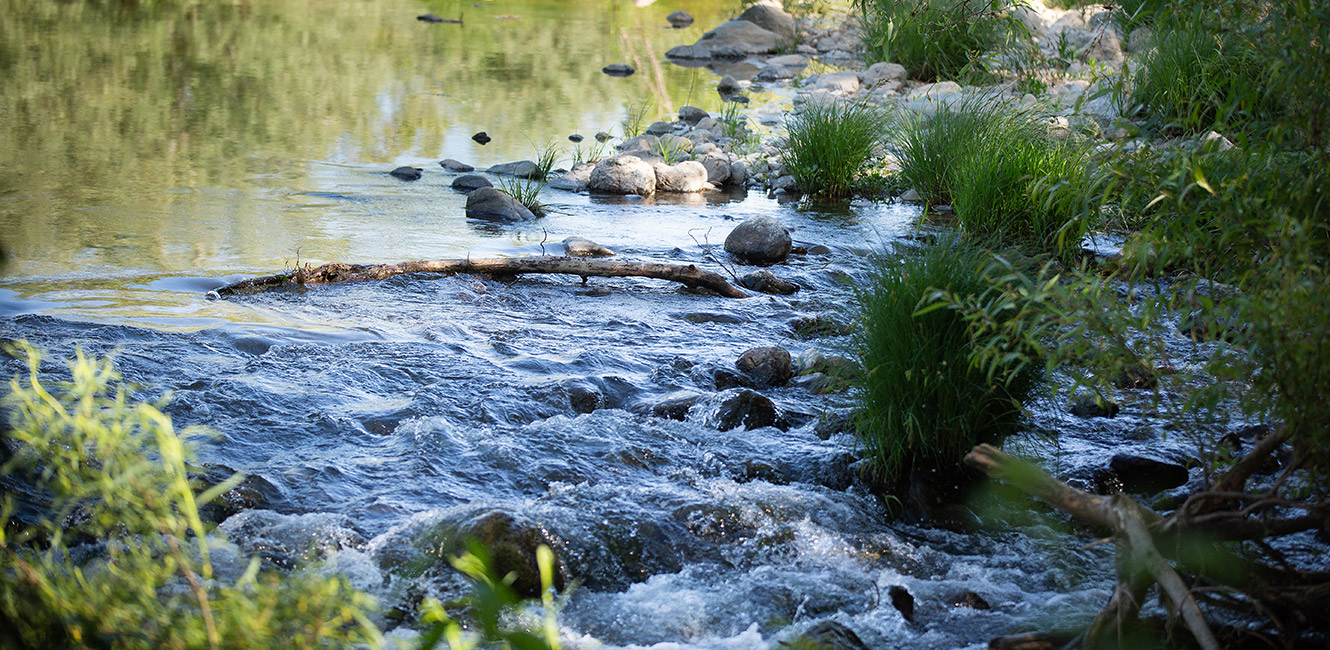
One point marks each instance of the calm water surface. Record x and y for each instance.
(149, 152)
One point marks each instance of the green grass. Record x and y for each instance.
(923, 403)
(674, 153)
(828, 144)
(526, 191)
(937, 39)
(1007, 177)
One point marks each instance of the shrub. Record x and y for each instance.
(926, 396)
(828, 144)
(937, 39)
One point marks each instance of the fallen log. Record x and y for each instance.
(335, 272)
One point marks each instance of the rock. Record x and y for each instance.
(771, 16)
(482, 137)
(576, 179)
(431, 18)
(787, 182)
(1069, 20)
(765, 281)
(638, 143)
(972, 600)
(407, 173)
(492, 205)
(602, 136)
(1088, 405)
(933, 91)
(766, 366)
(902, 601)
(708, 124)
(582, 247)
(1105, 47)
(576, 138)
(700, 317)
(728, 85)
(623, 175)
(738, 174)
(691, 115)
(618, 70)
(687, 176)
(1141, 475)
(455, 166)
(1140, 39)
(838, 83)
(679, 19)
(675, 406)
(834, 366)
(811, 327)
(1030, 18)
(828, 635)
(674, 143)
(880, 73)
(911, 196)
(471, 182)
(760, 240)
(520, 169)
(1215, 140)
(776, 73)
(718, 168)
(659, 128)
(252, 493)
(510, 539)
(735, 39)
(1136, 376)
(748, 409)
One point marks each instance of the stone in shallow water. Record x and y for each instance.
(520, 169)
(455, 165)
(582, 247)
(759, 240)
(1142, 475)
(407, 173)
(619, 70)
(748, 409)
(492, 205)
(766, 366)
(679, 19)
(482, 137)
(471, 182)
(830, 635)
(765, 281)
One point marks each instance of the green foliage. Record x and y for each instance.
(672, 150)
(526, 191)
(1006, 174)
(635, 117)
(938, 39)
(115, 471)
(545, 158)
(493, 602)
(931, 388)
(828, 144)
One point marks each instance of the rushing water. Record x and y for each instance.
(151, 152)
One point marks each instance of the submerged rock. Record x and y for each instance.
(619, 70)
(1142, 475)
(760, 240)
(748, 409)
(510, 539)
(766, 366)
(623, 175)
(902, 601)
(407, 173)
(482, 137)
(675, 406)
(455, 166)
(471, 182)
(1091, 406)
(765, 281)
(582, 247)
(829, 635)
(492, 205)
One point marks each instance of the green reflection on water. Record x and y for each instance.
(188, 136)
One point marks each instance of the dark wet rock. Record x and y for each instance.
(766, 366)
(675, 406)
(773, 18)
(759, 240)
(582, 247)
(708, 317)
(735, 39)
(748, 409)
(756, 469)
(659, 128)
(1136, 376)
(619, 70)
(718, 168)
(687, 176)
(831, 424)
(471, 182)
(594, 292)
(455, 165)
(431, 18)
(691, 115)
(575, 138)
(679, 18)
(828, 635)
(819, 250)
(1089, 405)
(812, 327)
(290, 537)
(1203, 325)
(972, 600)
(492, 205)
(1143, 475)
(602, 136)
(765, 281)
(511, 540)
(482, 137)
(728, 85)
(407, 173)
(520, 169)
(813, 361)
(902, 601)
(623, 175)
(724, 378)
(584, 399)
(253, 492)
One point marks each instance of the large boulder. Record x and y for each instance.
(576, 179)
(471, 182)
(760, 240)
(748, 409)
(881, 73)
(766, 366)
(623, 175)
(510, 539)
(492, 205)
(687, 176)
(717, 166)
(520, 169)
(732, 40)
(771, 16)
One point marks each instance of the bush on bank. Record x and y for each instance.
(937, 39)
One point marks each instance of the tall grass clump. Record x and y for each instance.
(929, 148)
(828, 144)
(526, 191)
(925, 398)
(937, 39)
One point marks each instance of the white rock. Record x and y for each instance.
(840, 83)
(879, 73)
(623, 175)
(687, 176)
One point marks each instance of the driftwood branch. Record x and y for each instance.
(335, 272)
(1130, 523)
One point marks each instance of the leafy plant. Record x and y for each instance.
(938, 39)
(828, 144)
(931, 390)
